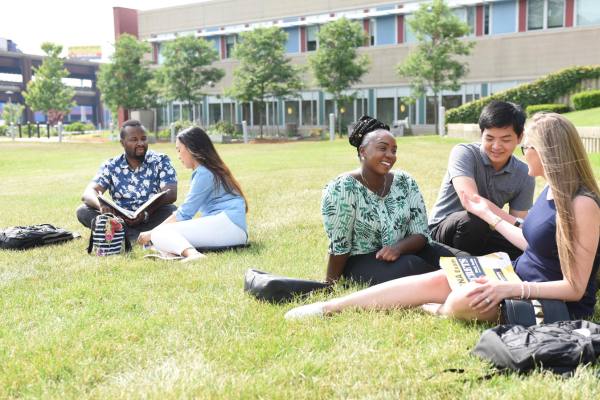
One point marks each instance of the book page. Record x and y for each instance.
(495, 266)
(109, 202)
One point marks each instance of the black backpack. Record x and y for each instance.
(108, 236)
(559, 346)
(26, 237)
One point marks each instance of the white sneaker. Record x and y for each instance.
(306, 311)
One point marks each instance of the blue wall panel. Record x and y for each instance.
(504, 17)
(293, 41)
(386, 30)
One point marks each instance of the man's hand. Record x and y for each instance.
(388, 253)
(138, 220)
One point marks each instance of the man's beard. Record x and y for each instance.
(137, 157)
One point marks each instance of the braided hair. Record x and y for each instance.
(364, 126)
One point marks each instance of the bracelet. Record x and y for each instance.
(522, 291)
(537, 289)
(528, 291)
(495, 222)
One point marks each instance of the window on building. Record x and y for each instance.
(362, 106)
(403, 108)
(311, 37)
(259, 113)
(309, 112)
(430, 111)
(273, 111)
(451, 101)
(556, 13)
(214, 113)
(385, 110)
(486, 19)
(544, 14)
(246, 113)
(471, 11)
(371, 32)
(229, 112)
(292, 113)
(588, 12)
(230, 42)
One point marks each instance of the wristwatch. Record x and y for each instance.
(146, 216)
(518, 222)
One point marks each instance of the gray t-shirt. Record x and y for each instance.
(510, 185)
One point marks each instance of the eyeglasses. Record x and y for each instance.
(523, 148)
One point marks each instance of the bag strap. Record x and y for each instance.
(518, 312)
(92, 229)
(127, 242)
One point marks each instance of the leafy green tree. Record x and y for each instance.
(432, 64)
(126, 81)
(187, 69)
(336, 64)
(12, 113)
(47, 92)
(263, 70)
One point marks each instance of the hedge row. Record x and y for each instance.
(543, 91)
(587, 99)
(556, 108)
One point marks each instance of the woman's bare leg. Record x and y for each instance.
(410, 291)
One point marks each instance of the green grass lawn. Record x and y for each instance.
(78, 326)
(589, 117)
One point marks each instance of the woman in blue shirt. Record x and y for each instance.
(560, 239)
(214, 192)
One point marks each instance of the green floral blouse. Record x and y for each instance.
(358, 221)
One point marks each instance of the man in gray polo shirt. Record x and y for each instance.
(490, 170)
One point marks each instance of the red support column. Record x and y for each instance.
(569, 12)
(126, 21)
(155, 50)
(303, 39)
(400, 28)
(223, 48)
(522, 15)
(479, 20)
(366, 29)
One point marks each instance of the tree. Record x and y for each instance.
(264, 70)
(186, 69)
(12, 113)
(47, 92)
(336, 64)
(440, 36)
(125, 81)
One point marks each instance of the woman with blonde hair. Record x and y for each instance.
(559, 239)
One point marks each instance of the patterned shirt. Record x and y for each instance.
(131, 188)
(358, 221)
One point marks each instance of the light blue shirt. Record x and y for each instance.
(207, 198)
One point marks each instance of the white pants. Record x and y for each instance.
(212, 231)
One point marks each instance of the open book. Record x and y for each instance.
(127, 213)
(494, 266)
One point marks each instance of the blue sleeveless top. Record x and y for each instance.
(540, 262)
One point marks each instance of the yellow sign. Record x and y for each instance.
(85, 52)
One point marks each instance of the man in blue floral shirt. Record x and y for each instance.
(131, 179)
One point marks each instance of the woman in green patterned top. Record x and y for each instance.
(374, 217)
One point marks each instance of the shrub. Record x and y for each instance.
(556, 108)
(181, 125)
(224, 128)
(587, 99)
(541, 91)
(3, 130)
(79, 126)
